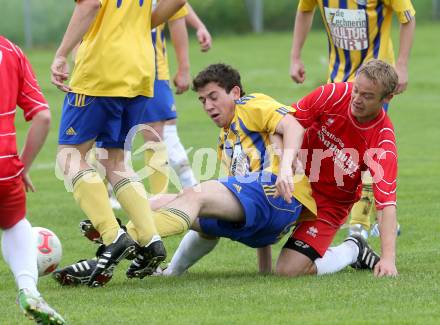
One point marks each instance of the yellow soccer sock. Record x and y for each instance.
(91, 195)
(133, 199)
(157, 159)
(169, 222)
(364, 208)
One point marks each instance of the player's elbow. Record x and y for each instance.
(410, 25)
(43, 118)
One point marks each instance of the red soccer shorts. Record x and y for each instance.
(318, 234)
(12, 202)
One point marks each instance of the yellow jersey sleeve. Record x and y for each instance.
(182, 12)
(261, 113)
(307, 5)
(403, 8)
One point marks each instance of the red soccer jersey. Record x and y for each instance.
(337, 148)
(18, 87)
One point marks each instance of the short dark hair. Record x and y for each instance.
(222, 74)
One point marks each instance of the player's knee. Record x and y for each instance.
(114, 162)
(70, 160)
(294, 264)
(288, 270)
(153, 132)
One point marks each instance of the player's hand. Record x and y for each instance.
(204, 38)
(28, 186)
(297, 71)
(181, 81)
(60, 73)
(284, 183)
(402, 73)
(385, 267)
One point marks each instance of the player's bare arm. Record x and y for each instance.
(264, 255)
(164, 10)
(303, 23)
(388, 234)
(179, 37)
(292, 133)
(203, 35)
(35, 139)
(83, 15)
(406, 40)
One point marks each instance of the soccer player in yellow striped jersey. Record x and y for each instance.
(162, 108)
(161, 114)
(236, 204)
(357, 30)
(110, 85)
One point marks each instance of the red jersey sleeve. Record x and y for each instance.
(383, 168)
(311, 107)
(29, 97)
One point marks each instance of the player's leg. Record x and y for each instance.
(76, 137)
(19, 252)
(196, 244)
(159, 109)
(364, 209)
(193, 246)
(156, 202)
(155, 157)
(308, 251)
(131, 193)
(209, 198)
(91, 194)
(308, 242)
(89, 189)
(266, 219)
(178, 157)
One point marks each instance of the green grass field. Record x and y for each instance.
(224, 288)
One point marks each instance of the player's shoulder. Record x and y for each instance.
(9, 46)
(332, 97)
(342, 89)
(386, 128)
(385, 135)
(334, 90)
(257, 101)
(248, 99)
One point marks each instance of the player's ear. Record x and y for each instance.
(388, 98)
(236, 92)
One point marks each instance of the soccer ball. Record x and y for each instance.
(49, 250)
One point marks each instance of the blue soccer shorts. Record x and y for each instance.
(267, 219)
(161, 107)
(108, 120)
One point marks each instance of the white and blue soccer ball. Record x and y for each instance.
(49, 250)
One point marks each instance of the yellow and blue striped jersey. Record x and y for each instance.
(358, 30)
(159, 43)
(116, 55)
(245, 145)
